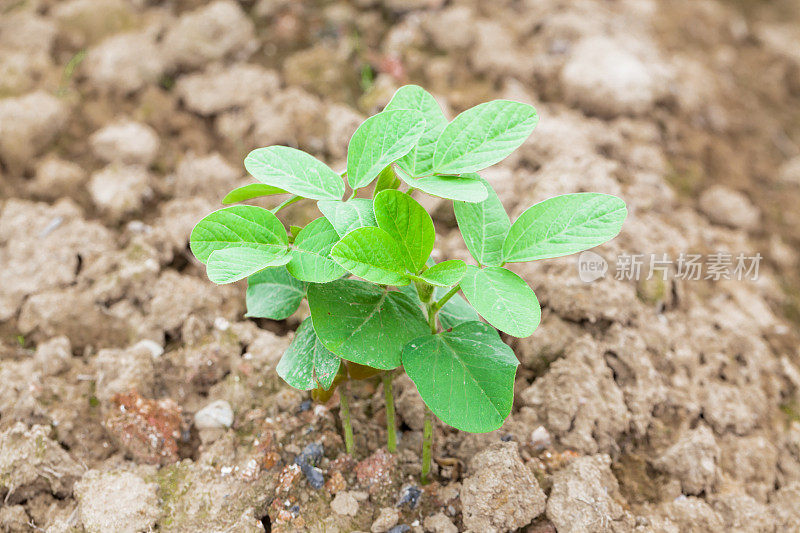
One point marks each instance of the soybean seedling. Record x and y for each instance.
(377, 301)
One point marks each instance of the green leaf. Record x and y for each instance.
(364, 323)
(237, 226)
(483, 135)
(294, 171)
(379, 141)
(307, 364)
(248, 192)
(455, 311)
(311, 254)
(445, 274)
(564, 225)
(349, 215)
(466, 188)
(273, 293)
(484, 227)
(503, 299)
(465, 376)
(233, 264)
(419, 161)
(406, 220)
(372, 254)
(387, 179)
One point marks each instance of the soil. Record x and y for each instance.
(135, 396)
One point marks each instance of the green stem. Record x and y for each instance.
(427, 431)
(292, 199)
(432, 319)
(344, 414)
(391, 434)
(452, 292)
(427, 444)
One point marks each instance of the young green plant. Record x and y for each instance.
(378, 302)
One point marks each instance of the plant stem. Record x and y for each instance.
(427, 430)
(344, 414)
(432, 319)
(292, 199)
(452, 292)
(427, 444)
(391, 434)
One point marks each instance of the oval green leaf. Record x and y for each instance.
(232, 264)
(419, 161)
(307, 364)
(406, 220)
(372, 254)
(273, 293)
(484, 226)
(237, 226)
(466, 376)
(248, 192)
(364, 323)
(311, 253)
(483, 135)
(503, 299)
(564, 225)
(466, 188)
(380, 140)
(347, 216)
(294, 171)
(445, 274)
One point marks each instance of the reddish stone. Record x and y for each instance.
(146, 429)
(376, 470)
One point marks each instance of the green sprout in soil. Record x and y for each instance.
(378, 302)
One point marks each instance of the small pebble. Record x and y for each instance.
(216, 415)
(410, 496)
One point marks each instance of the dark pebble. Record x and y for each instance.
(409, 495)
(402, 528)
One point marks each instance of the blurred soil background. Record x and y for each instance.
(134, 395)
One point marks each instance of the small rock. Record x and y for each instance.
(84, 22)
(147, 429)
(210, 176)
(29, 124)
(345, 504)
(604, 76)
(128, 142)
(124, 63)
(693, 460)
(540, 438)
(14, 519)
(53, 356)
(376, 471)
(439, 523)
(56, 177)
(217, 89)
(402, 528)
(119, 190)
(500, 493)
(211, 33)
(790, 171)
(409, 496)
(32, 462)
(119, 371)
(307, 461)
(216, 415)
(585, 498)
(386, 520)
(134, 502)
(730, 208)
